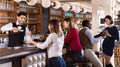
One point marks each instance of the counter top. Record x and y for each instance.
(6, 53)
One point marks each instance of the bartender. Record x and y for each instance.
(17, 31)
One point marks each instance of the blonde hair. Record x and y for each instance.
(55, 27)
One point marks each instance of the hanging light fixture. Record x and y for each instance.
(77, 10)
(18, 0)
(66, 7)
(46, 3)
(72, 7)
(31, 2)
(56, 4)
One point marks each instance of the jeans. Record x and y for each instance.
(56, 62)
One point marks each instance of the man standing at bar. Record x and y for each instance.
(16, 31)
(88, 40)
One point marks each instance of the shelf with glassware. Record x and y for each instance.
(7, 13)
(7, 5)
(83, 16)
(55, 13)
(33, 20)
(6, 17)
(55, 17)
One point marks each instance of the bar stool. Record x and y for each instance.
(84, 62)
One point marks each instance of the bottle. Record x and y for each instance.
(12, 5)
(4, 5)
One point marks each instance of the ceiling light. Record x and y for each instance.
(72, 8)
(39, 1)
(66, 7)
(56, 4)
(17, 0)
(77, 10)
(46, 3)
(31, 2)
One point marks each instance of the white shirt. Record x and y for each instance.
(90, 35)
(9, 26)
(54, 45)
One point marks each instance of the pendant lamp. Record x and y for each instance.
(72, 8)
(77, 10)
(31, 2)
(18, 1)
(66, 7)
(46, 3)
(56, 4)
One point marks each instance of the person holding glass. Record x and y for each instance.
(88, 40)
(111, 34)
(17, 31)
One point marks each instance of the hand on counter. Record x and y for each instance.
(32, 42)
(29, 42)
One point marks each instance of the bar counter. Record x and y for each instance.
(15, 55)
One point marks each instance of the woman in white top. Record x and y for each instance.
(54, 44)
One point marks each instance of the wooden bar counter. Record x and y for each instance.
(15, 55)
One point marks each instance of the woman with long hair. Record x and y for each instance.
(73, 40)
(54, 44)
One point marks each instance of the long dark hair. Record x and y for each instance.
(55, 26)
(68, 20)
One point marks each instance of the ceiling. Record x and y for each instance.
(82, 3)
(73, 0)
(85, 3)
